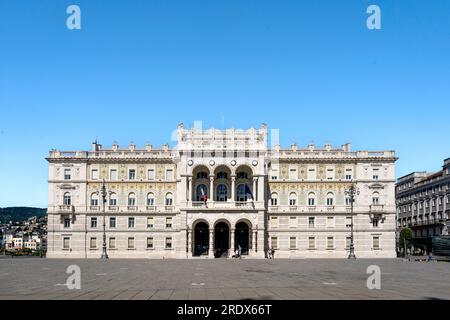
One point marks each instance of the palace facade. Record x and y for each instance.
(217, 191)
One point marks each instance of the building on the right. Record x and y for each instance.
(423, 204)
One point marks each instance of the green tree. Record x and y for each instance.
(406, 236)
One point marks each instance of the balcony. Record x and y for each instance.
(65, 209)
(377, 208)
(230, 205)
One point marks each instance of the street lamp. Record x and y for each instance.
(103, 195)
(351, 193)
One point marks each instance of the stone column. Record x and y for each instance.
(189, 249)
(232, 242)
(233, 188)
(189, 196)
(211, 187)
(255, 193)
(211, 243)
(254, 246)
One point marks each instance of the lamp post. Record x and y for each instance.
(351, 192)
(103, 195)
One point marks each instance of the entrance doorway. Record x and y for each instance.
(201, 239)
(222, 240)
(242, 236)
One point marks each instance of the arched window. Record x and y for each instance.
(375, 198)
(311, 199)
(132, 199)
(292, 199)
(222, 175)
(94, 199)
(169, 199)
(241, 194)
(67, 200)
(348, 201)
(222, 193)
(202, 190)
(150, 199)
(242, 175)
(202, 175)
(330, 199)
(274, 199)
(113, 199)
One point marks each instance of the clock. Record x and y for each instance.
(233, 162)
(190, 163)
(255, 163)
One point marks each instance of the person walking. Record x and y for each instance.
(239, 251)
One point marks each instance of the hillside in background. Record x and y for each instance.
(20, 213)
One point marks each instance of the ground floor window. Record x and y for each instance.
(330, 243)
(112, 243)
(130, 243)
(376, 242)
(66, 243)
(150, 243)
(93, 243)
(292, 243)
(311, 243)
(169, 243)
(274, 242)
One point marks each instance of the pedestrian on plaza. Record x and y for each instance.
(239, 251)
(273, 253)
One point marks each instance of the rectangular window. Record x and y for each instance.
(375, 174)
(93, 243)
(274, 242)
(376, 242)
(113, 174)
(311, 174)
(94, 202)
(94, 174)
(112, 243)
(94, 222)
(348, 222)
(348, 241)
(130, 243)
(66, 222)
(150, 243)
(292, 222)
(112, 202)
(292, 243)
(132, 174)
(151, 174)
(330, 174)
(112, 222)
(293, 174)
(330, 222)
(348, 174)
(150, 222)
(66, 243)
(274, 222)
(311, 222)
(311, 243)
(169, 174)
(169, 243)
(168, 223)
(130, 223)
(67, 174)
(330, 243)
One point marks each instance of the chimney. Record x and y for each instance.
(96, 146)
(294, 147)
(346, 147)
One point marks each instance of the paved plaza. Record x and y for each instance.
(40, 278)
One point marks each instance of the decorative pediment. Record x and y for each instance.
(376, 186)
(67, 186)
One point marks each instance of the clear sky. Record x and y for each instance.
(138, 68)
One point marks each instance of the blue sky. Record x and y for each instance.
(138, 68)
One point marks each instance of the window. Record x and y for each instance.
(348, 241)
(150, 222)
(94, 199)
(66, 243)
(292, 222)
(274, 222)
(66, 222)
(376, 242)
(348, 174)
(348, 222)
(242, 175)
(241, 193)
(169, 174)
(330, 243)
(130, 223)
(151, 174)
(330, 222)
(169, 243)
(132, 174)
(222, 193)
(112, 243)
(293, 174)
(274, 199)
(150, 199)
(168, 223)
(67, 200)
(113, 199)
(292, 243)
(202, 175)
(169, 199)
(67, 174)
(222, 175)
(112, 222)
(375, 222)
(274, 242)
(93, 243)
(375, 198)
(375, 174)
(311, 199)
(130, 243)
(94, 174)
(202, 191)
(330, 174)
(311, 243)
(149, 243)
(131, 200)
(293, 199)
(113, 174)
(94, 222)
(330, 199)
(311, 222)
(348, 201)
(311, 174)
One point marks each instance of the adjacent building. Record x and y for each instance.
(423, 203)
(218, 191)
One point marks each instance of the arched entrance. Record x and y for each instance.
(221, 240)
(242, 237)
(201, 239)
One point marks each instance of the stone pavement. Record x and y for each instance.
(36, 278)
